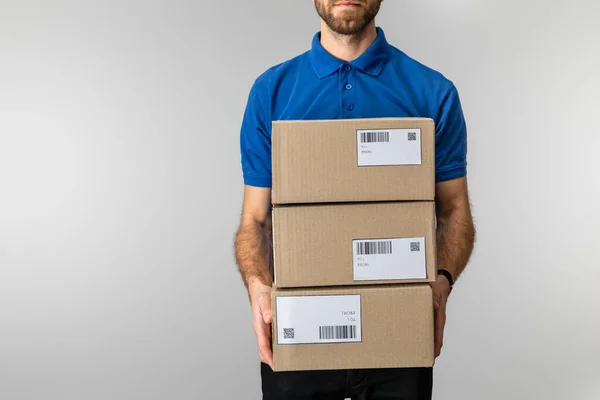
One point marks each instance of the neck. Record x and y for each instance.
(347, 47)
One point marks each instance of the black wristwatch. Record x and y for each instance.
(448, 276)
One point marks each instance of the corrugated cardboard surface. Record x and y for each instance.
(397, 331)
(317, 162)
(312, 244)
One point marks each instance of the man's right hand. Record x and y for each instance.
(260, 300)
(252, 250)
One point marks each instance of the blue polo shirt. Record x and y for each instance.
(382, 82)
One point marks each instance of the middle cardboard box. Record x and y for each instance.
(316, 245)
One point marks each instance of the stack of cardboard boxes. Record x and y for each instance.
(353, 243)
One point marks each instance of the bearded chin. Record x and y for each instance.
(347, 25)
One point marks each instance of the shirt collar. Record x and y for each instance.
(370, 62)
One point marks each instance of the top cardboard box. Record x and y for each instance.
(353, 160)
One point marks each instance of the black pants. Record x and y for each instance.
(369, 384)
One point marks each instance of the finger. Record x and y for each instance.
(439, 331)
(438, 345)
(263, 336)
(266, 355)
(263, 333)
(436, 335)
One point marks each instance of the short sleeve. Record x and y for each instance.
(450, 138)
(255, 142)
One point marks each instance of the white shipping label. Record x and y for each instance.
(318, 319)
(383, 259)
(389, 147)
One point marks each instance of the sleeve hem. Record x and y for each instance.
(451, 173)
(258, 181)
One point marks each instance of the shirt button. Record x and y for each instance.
(348, 86)
(348, 68)
(350, 107)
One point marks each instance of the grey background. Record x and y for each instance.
(120, 191)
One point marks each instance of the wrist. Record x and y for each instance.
(256, 282)
(445, 278)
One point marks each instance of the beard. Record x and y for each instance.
(348, 22)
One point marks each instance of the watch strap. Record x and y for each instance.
(447, 274)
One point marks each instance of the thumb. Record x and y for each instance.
(436, 301)
(265, 308)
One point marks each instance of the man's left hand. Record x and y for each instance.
(441, 290)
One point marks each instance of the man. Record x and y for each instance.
(351, 71)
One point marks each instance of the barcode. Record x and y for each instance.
(415, 246)
(380, 247)
(337, 332)
(412, 135)
(374, 137)
(288, 333)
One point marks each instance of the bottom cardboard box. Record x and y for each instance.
(355, 327)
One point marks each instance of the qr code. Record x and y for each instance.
(412, 135)
(415, 246)
(288, 333)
